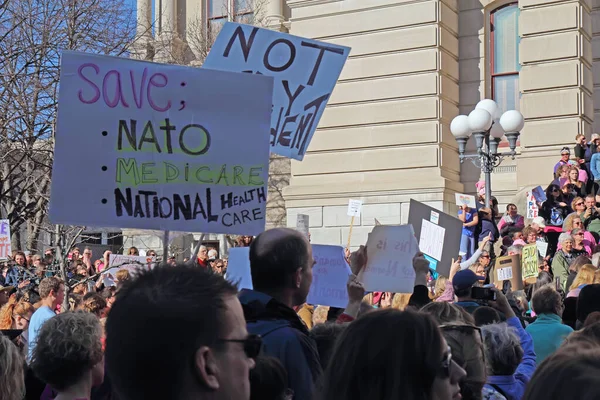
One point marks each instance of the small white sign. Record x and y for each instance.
(133, 264)
(435, 217)
(465, 199)
(431, 241)
(354, 207)
(505, 274)
(542, 248)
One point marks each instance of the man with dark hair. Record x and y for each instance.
(281, 263)
(179, 333)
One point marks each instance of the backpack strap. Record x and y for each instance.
(499, 390)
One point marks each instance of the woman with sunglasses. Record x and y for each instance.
(389, 355)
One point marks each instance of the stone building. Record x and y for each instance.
(414, 66)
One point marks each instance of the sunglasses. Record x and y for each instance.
(446, 365)
(467, 329)
(252, 344)
(484, 256)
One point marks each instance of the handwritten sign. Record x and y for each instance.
(354, 207)
(431, 241)
(532, 208)
(133, 264)
(238, 267)
(305, 70)
(507, 268)
(465, 199)
(5, 249)
(529, 263)
(171, 148)
(389, 267)
(302, 224)
(330, 275)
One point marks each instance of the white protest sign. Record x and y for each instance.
(504, 274)
(5, 249)
(305, 70)
(431, 241)
(354, 207)
(238, 267)
(173, 148)
(542, 248)
(389, 267)
(330, 275)
(532, 208)
(117, 262)
(465, 199)
(302, 224)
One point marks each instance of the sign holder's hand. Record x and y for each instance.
(421, 267)
(358, 260)
(356, 293)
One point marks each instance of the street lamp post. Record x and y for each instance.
(487, 126)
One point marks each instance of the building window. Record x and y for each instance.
(220, 11)
(504, 56)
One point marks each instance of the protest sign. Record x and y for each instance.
(330, 276)
(507, 268)
(532, 208)
(133, 264)
(389, 266)
(529, 263)
(465, 199)
(238, 267)
(5, 249)
(354, 207)
(442, 234)
(302, 224)
(174, 148)
(542, 248)
(538, 194)
(305, 72)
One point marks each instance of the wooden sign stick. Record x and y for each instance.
(350, 233)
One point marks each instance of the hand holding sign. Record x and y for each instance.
(358, 260)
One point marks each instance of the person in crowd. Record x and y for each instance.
(565, 155)
(563, 259)
(561, 176)
(268, 380)
(509, 356)
(244, 241)
(583, 153)
(591, 216)
(578, 207)
(470, 219)
(585, 276)
(570, 373)
(281, 264)
(16, 315)
(12, 375)
(580, 245)
(94, 304)
(68, 355)
(539, 225)
(213, 254)
(530, 235)
(462, 283)
(325, 336)
(486, 315)
(52, 292)
(166, 351)
(577, 186)
(547, 331)
(17, 271)
(511, 221)
(465, 341)
(409, 360)
(4, 294)
(218, 266)
(121, 277)
(595, 166)
(481, 265)
(203, 257)
(588, 302)
(554, 211)
(87, 261)
(488, 228)
(133, 251)
(575, 222)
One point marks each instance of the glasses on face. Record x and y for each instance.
(252, 344)
(579, 234)
(555, 190)
(576, 222)
(26, 319)
(445, 366)
(484, 256)
(580, 203)
(466, 329)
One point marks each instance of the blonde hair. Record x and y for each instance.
(12, 308)
(585, 276)
(122, 275)
(440, 286)
(400, 300)
(597, 276)
(12, 376)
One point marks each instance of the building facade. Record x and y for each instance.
(416, 64)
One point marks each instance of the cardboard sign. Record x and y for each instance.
(330, 275)
(507, 268)
(238, 267)
(539, 194)
(532, 208)
(5, 249)
(302, 224)
(465, 199)
(389, 267)
(305, 72)
(171, 148)
(449, 243)
(133, 264)
(529, 263)
(354, 207)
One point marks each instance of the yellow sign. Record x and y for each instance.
(529, 262)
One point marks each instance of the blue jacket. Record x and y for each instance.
(12, 276)
(595, 166)
(548, 334)
(513, 386)
(285, 337)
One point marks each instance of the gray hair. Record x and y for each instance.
(596, 259)
(516, 249)
(503, 352)
(564, 237)
(546, 300)
(203, 247)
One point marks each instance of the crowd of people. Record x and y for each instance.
(183, 331)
